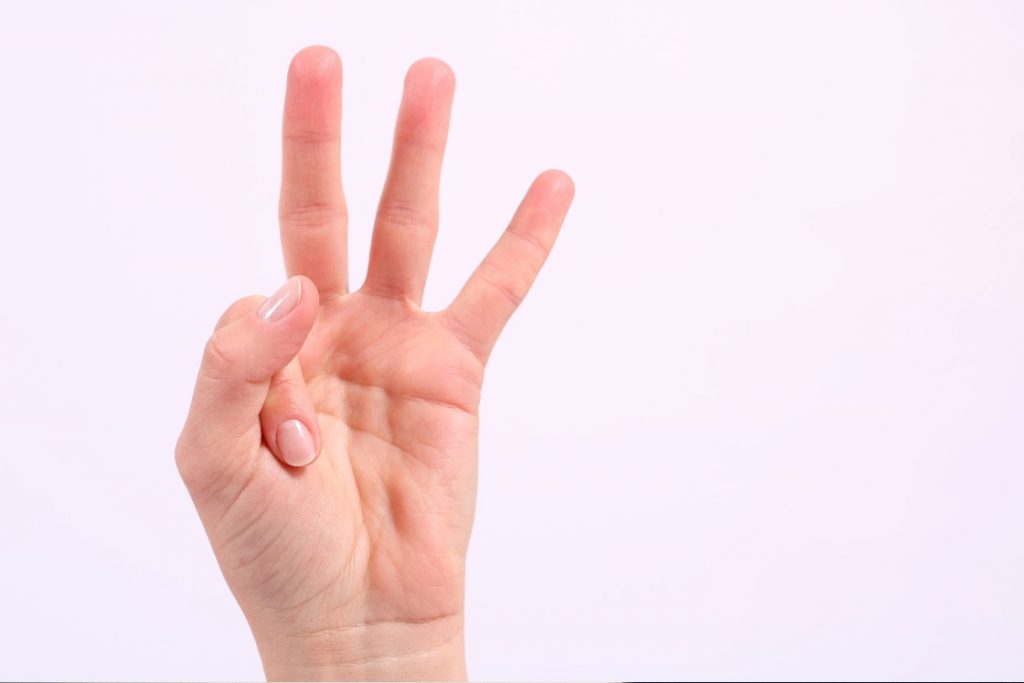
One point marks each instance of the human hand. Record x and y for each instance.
(331, 444)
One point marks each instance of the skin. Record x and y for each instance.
(353, 566)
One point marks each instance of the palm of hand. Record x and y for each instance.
(377, 526)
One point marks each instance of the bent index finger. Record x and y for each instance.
(501, 281)
(313, 213)
(288, 419)
(254, 340)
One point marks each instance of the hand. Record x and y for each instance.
(331, 444)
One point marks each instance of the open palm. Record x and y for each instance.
(332, 441)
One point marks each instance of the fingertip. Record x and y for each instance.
(315, 64)
(298, 296)
(432, 73)
(296, 445)
(312, 102)
(278, 306)
(556, 184)
(289, 419)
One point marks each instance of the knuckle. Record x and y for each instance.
(538, 251)
(503, 284)
(238, 309)
(313, 214)
(311, 136)
(403, 216)
(219, 358)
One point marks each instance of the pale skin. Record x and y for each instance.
(331, 444)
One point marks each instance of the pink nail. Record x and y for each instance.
(295, 443)
(282, 301)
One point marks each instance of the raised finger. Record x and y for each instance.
(313, 213)
(501, 281)
(407, 217)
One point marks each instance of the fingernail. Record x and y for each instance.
(282, 301)
(295, 443)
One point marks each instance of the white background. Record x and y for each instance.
(760, 417)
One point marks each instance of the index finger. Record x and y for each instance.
(313, 213)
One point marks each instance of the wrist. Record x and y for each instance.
(380, 650)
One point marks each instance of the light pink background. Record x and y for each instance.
(760, 417)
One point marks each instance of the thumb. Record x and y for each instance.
(254, 341)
